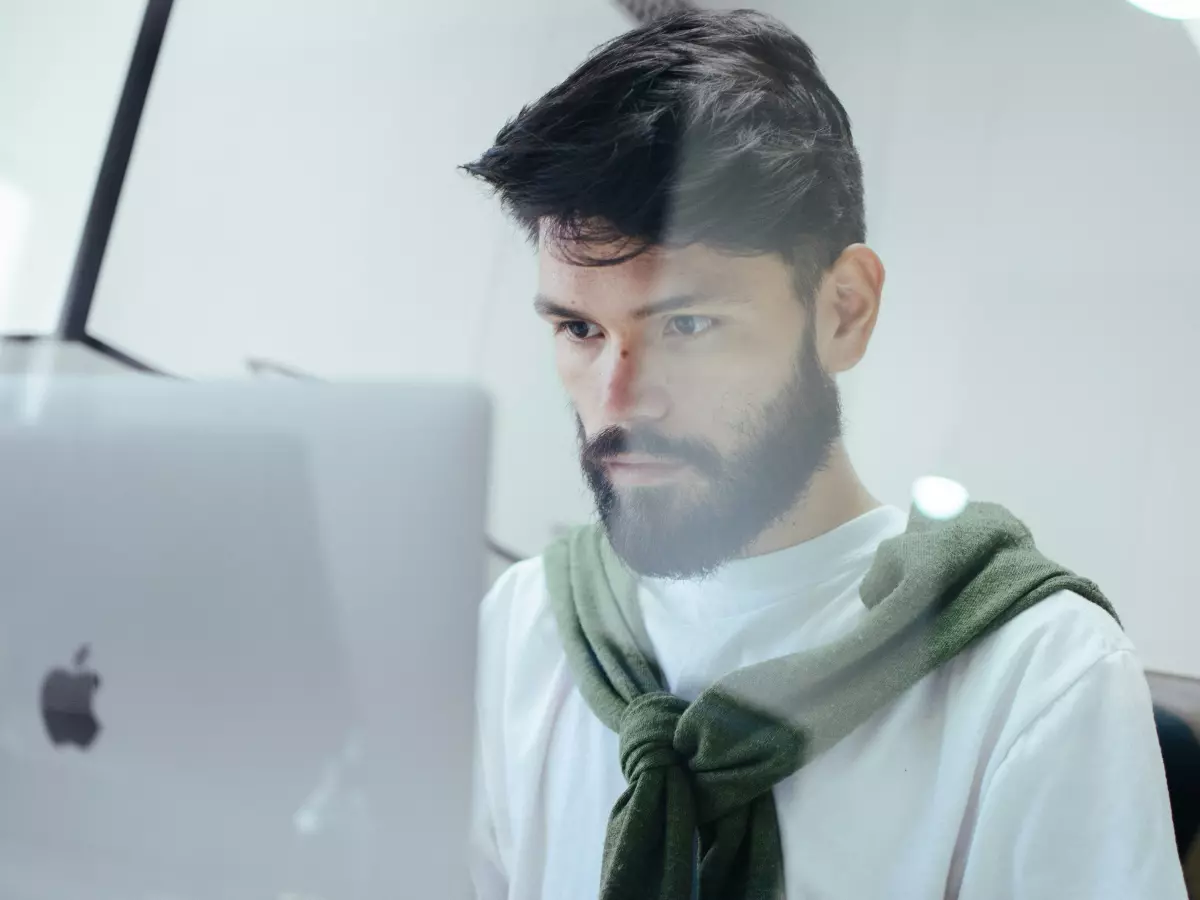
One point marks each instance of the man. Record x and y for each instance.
(753, 679)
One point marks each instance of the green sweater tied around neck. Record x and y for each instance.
(698, 802)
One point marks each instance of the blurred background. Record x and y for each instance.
(290, 203)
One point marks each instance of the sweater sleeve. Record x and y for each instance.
(1078, 806)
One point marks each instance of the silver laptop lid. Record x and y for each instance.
(265, 592)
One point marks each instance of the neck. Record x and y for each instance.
(834, 497)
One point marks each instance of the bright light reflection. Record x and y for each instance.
(939, 498)
(1170, 9)
(1192, 27)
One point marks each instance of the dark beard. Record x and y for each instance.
(664, 532)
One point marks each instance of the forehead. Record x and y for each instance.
(659, 272)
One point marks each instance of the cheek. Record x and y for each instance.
(726, 411)
(576, 376)
(714, 378)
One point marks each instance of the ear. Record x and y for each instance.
(847, 307)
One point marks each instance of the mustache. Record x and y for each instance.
(616, 440)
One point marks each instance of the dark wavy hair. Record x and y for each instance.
(703, 127)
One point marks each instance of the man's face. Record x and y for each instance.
(703, 411)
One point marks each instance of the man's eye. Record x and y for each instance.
(578, 330)
(689, 326)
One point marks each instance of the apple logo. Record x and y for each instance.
(67, 703)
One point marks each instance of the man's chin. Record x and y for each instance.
(684, 544)
(663, 503)
(659, 557)
(667, 530)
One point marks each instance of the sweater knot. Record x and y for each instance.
(647, 733)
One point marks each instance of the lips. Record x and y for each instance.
(641, 459)
(635, 469)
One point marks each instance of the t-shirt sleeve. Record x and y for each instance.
(485, 859)
(1078, 807)
(490, 837)
(487, 870)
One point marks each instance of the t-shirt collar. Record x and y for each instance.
(743, 584)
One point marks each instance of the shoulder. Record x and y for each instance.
(1052, 644)
(518, 638)
(519, 588)
(516, 598)
(1065, 653)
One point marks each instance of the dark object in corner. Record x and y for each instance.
(1181, 760)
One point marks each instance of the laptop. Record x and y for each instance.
(237, 638)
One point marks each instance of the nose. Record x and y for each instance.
(632, 391)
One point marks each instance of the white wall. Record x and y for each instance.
(62, 67)
(1033, 187)
(293, 194)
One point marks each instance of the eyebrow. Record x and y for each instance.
(547, 307)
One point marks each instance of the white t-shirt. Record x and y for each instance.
(1027, 767)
